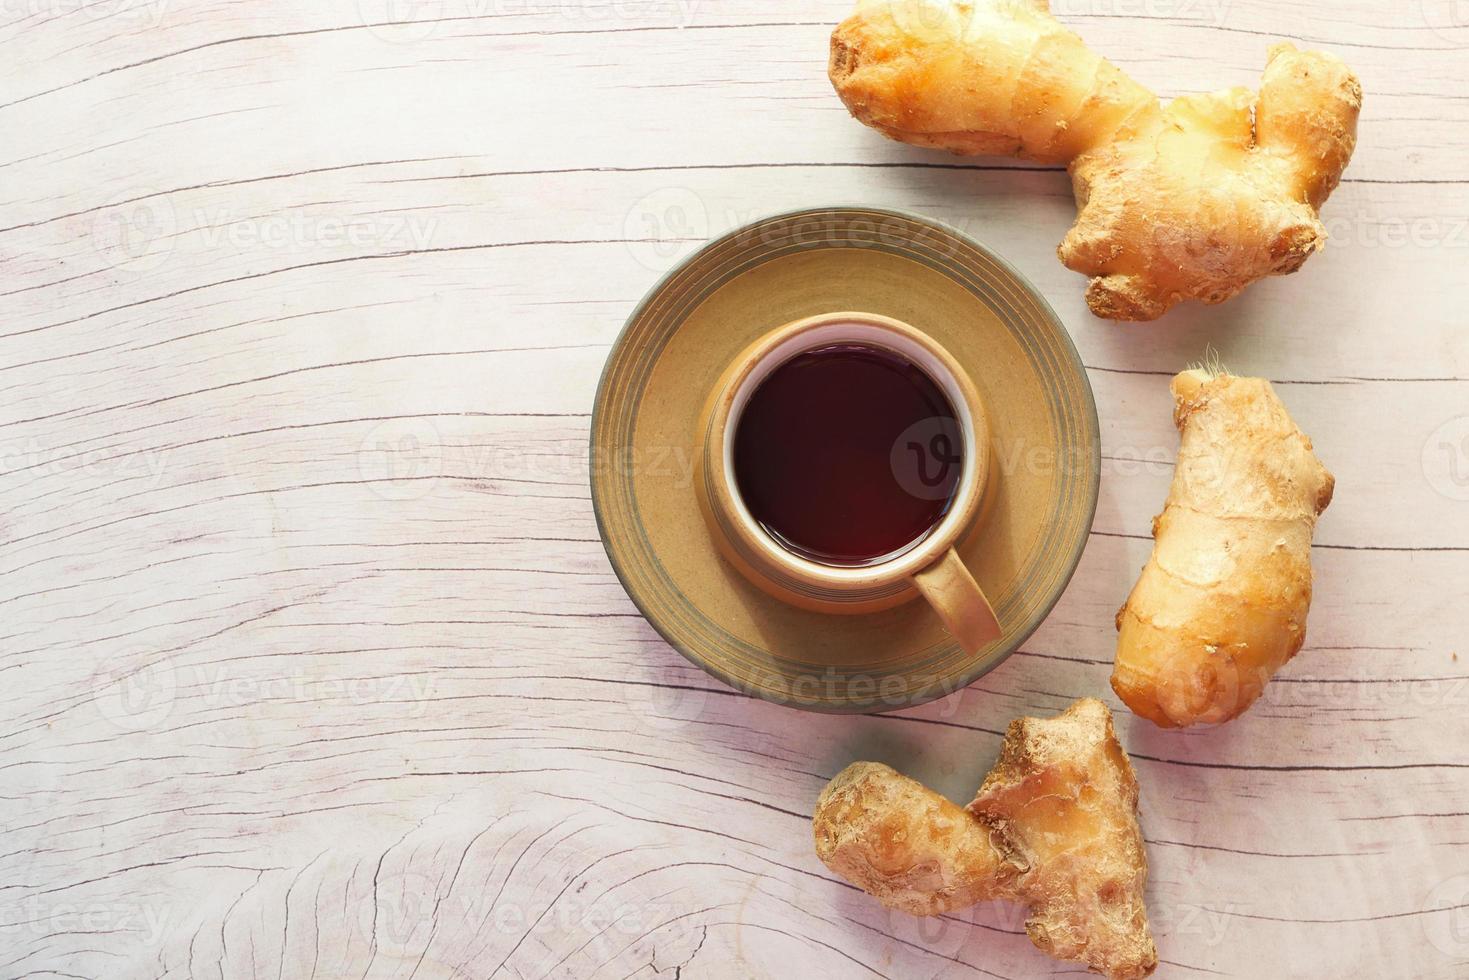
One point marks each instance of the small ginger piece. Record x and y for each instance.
(1195, 199)
(1065, 798)
(897, 839)
(1221, 604)
(1053, 827)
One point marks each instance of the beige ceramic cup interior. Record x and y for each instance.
(931, 567)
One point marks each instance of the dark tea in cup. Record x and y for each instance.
(848, 454)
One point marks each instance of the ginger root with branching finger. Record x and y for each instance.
(1221, 604)
(1195, 199)
(1054, 827)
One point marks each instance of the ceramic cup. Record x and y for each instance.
(931, 567)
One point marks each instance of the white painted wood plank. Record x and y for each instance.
(281, 703)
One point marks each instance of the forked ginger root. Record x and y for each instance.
(1054, 827)
(1192, 200)
(1222, 602)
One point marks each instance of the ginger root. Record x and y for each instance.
(1221, 604)
(1054, 827)
(1193, 200)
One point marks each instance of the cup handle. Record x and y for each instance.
(957, 598)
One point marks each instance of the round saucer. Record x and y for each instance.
(699, 317)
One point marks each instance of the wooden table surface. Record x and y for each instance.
(313, 663)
